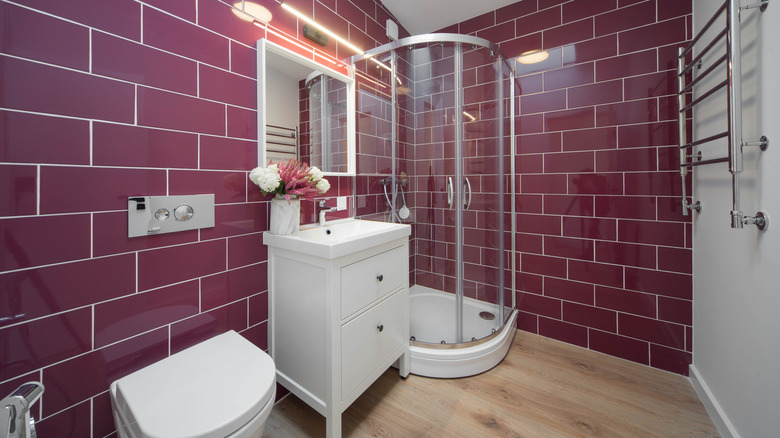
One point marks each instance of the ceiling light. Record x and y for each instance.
(533, 57)
(322, 28)
(250, 11)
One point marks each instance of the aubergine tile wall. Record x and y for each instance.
(105, 100)
(604, 253)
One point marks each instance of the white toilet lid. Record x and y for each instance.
(208, 390)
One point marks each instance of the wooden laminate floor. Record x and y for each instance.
(543, 388)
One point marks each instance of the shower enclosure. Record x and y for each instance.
(435, 150)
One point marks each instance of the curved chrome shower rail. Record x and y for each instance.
(428, 38)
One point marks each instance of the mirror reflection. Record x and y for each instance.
(306, 113)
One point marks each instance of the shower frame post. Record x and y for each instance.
(458, 192)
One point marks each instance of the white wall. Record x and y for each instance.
(736, 349)
(282, 99)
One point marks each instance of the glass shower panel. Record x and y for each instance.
(426, 101)
(483, 192)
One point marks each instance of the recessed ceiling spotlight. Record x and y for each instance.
(533, 57)
(250, 11)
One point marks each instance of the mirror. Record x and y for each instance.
(305, 111)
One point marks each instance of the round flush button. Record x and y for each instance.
(162, 214)
(183, 212)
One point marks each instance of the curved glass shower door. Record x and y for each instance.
(441, 167)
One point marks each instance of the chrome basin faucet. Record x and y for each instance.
(324, 210)
(15, 418)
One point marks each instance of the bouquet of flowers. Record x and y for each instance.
(288, 178)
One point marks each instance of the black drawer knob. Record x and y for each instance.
(380, 327)
(380, 277)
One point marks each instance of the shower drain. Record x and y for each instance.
(487, 315)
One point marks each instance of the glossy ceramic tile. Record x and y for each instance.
(34, 293)
(134, 146)
(45, 341)
(625, 18)
(161, 109)
(122, 59)
(227, 287)
(222, 86)
(159, 267)
(590, 316)
(32, 138)
(85, 376)
(619, 346)
(563, 331)
(31, 35)
(26, 242)
(539, 305)
(18, 195)
(626, 301)
(178, 36)
(122, 17)
(47, 89)
(120, 319)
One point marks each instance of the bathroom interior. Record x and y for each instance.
(533, 203)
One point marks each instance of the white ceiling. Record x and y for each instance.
(424, 16)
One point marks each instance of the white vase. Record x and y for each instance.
(285, 215)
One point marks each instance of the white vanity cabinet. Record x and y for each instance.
(336, 324)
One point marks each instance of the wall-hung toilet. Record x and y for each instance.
(222, 387)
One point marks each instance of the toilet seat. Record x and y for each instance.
(211, 389)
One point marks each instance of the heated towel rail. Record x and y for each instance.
(733, 131)
(281, 143)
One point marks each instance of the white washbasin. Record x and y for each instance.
(338, 238)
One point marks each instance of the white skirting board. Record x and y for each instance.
(717, 415)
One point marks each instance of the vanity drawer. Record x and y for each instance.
(367, 280)
(364, 347)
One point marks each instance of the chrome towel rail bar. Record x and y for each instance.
(733, 85)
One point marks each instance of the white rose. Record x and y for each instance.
(323, 185)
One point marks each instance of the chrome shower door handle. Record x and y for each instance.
(450, 193)
(467, 194)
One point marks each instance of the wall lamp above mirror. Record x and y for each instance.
(306, 111)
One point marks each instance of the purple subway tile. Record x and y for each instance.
(590, 316)
(135, 146)
(220, 18)
(38, 292)
(110, 236)
(590, 139)
(97, 188)
(626, 207)
(241, 123)
(161, 109)
(625, 18)
(32, 138)
(246, 250)
(227, 153)
(137, 313)
(206, 325)
(102, 415)
(159, 267)
(590, 50)
(47, 89)
(626, 65)
(568, 33)
(257, 335)
(243, 59)
(237, 219)
(178, 36)
(224, 86)
(652, 233)
(118, 58)
(258, 308)
(626, 301)
(539, 305)
(619, 346)
(45, 341)
(652, 330)
(563, 331)
(183, 9)
(652, 36)
(578, 9)
(569, 290)
(120, 17)
(74, 422)
(674, 310)
(27, 242)
(670, 359)
(568, 205)
(19, 193)
(569, 248)
(596, 273)
(227, 187)
(220, 289)
(668, 284)
(80, 378)
(32, 35)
